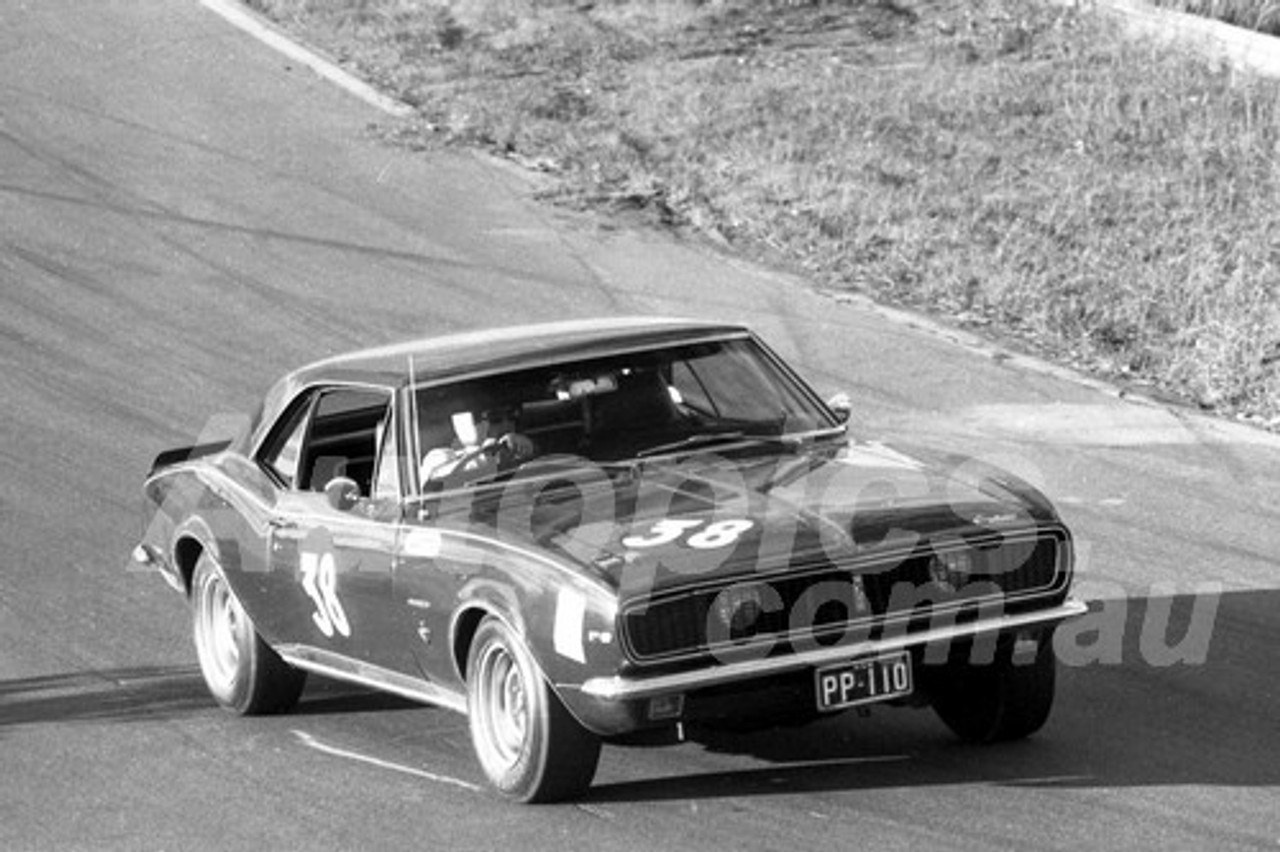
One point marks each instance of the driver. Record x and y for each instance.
(492, 445)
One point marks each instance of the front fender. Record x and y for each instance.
(568, 626)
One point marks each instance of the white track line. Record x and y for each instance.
(312, 742)
(238, 16)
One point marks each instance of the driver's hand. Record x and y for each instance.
(520, 446)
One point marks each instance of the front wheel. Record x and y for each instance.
(1007, 699)
(243, 673)
(530, 747)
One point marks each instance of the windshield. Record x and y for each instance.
(610, 409)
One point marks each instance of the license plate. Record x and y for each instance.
(864, 681)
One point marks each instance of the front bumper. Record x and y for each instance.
(623, 689)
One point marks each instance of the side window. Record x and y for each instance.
(343, 438)
(283, 449)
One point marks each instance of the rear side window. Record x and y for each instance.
(342, 439)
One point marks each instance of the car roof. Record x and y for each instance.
(453, 356)
(496, 349)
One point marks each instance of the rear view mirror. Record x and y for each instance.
(342, 493)
(576, 387)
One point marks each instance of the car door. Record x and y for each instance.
(437, 554)
(331, 564)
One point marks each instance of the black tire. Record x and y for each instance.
(999, 701)
(244, 675)
(530, 748)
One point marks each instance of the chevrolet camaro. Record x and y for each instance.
(584, 532)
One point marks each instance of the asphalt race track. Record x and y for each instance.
(183, 216)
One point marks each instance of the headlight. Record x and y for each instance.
(738, 608)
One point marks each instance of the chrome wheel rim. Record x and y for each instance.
(219, 626)
(500, 717)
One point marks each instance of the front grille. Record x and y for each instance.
(823, 601)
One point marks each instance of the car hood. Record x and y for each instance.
(670, 523)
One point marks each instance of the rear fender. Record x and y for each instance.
(193, 529)
(216, 505)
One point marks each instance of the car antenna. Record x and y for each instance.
(413, 421)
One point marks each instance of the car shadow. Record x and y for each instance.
(1130, 719)
(328, 697)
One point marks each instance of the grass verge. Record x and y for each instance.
(1010, 165)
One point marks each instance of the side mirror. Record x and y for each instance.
(342, 493)
(842, 406)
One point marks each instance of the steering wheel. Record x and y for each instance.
(501, 448)
(460, 464)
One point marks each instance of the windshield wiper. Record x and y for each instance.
(785, 439)
(550, 470)
(703, 439)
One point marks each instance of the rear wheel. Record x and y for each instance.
(242, 672)
(530, 747)
(1008, 699)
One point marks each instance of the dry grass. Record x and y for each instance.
(1007, 164)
